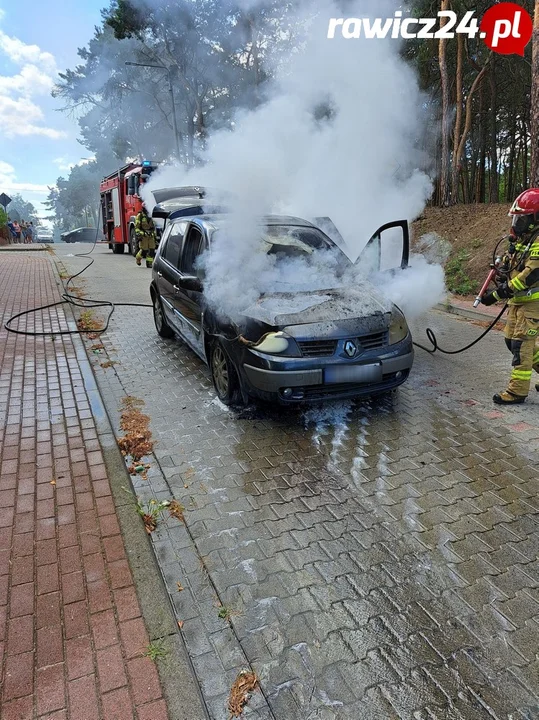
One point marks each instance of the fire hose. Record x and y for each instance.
(69, 299)
(497, 269)
(89, 303)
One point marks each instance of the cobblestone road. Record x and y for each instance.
(377, 560)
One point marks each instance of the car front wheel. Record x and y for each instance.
(161, 325)
(224, 376)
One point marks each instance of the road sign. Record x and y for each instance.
(4, 200)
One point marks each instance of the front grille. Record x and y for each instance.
(317, 348)
(374, 341)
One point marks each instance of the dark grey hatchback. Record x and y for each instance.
(289, 347)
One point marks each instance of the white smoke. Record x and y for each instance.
(338, 137)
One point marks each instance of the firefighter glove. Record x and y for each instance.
(503, 292)
(489, 299)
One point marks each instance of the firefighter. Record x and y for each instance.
(521, 291)
(146, 237)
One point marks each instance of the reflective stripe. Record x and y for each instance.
(536, 357)
(521, 374)
(517, 284)
(519, 299)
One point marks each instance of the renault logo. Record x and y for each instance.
(350, 348)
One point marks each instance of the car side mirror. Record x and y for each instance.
(193, 283)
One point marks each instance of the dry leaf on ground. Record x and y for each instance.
(176, 510)
(137, 440)
(150, 523)
(240, 692)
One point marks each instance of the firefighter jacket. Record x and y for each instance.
(144, 226)
(524, 280)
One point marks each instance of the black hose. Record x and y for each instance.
(91, 303)
(435, 347)
(67, 298)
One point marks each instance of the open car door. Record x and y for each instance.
(389, 248)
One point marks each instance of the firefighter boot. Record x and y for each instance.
(138, 257)
(149, 262)
(507, 398)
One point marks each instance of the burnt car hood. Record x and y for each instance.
(322, 307)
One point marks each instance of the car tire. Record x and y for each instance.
(118, 248)
(132, 242)
(224, 376)
(163, 328)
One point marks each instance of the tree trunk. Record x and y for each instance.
(458, 121)
(494, 190)
(512, 151)
(534, 110)
(482, 140)
(468, 113)
(445, 134)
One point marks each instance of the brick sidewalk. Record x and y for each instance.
(71, 633)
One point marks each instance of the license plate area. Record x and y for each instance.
(357, 374)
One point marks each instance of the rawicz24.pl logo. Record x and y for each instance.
(505, 28)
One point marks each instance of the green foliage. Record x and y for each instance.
(457, 280)
(25, 210)
(3, 217)
(74, 202)
(126, 19)
(156, 649)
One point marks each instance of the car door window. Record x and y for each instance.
(173, 244)
(193, 248)
(389, 247)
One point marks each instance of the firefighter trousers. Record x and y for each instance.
(146, 249)
(522, 339)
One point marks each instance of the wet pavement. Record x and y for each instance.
(375, 559)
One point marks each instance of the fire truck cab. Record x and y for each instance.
(121, 202)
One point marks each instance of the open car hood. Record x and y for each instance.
(318, 306)
(190, 191)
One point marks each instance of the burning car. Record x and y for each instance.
(338, 338)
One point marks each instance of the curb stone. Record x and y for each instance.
(201, 633)
(183, 697)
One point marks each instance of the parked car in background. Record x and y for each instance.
(295, 346)
(83, 234)
(43, 235)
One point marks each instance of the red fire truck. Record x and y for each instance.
(120, 203)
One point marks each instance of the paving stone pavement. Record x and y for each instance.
(72, 639)
(378, 560)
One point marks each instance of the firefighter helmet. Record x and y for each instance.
(525, 211)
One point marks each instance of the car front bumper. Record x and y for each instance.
(310, 380)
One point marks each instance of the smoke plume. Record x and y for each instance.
(339, 135)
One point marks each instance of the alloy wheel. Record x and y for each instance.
(220, 371)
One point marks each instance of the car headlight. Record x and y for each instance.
(277, 343)
(398, 328)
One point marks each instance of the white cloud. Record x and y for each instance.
(30, 81)
(19, 117)
(21, 54)
(9, 184)
(62, 163)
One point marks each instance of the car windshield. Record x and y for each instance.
(292, 241)
(297, 258)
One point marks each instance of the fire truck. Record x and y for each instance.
(121, 202)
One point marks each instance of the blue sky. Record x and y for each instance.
(37, 40)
